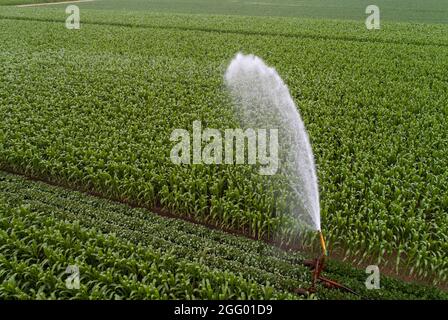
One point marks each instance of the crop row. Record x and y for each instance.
(36, 249)
(18, 2)
(145, 229)
(319, 29)
(97, 115)
(251, 260)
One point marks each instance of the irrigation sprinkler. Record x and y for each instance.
(317, 266)
(262, 99)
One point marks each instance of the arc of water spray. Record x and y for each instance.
(262, 100)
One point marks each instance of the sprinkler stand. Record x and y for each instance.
(317, 266)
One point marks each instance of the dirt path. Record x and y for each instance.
(50, 3)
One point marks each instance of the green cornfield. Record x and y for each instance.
(86, 177)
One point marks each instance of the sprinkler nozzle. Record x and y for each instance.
(322, 243)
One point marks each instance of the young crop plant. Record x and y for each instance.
(36, 249)
(93, 111)
(134, 254)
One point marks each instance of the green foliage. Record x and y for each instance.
(43, 229)
(429, 11)
(94, 110)
(19, 2)
(36, 249)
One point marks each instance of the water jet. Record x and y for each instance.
(262, 100)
